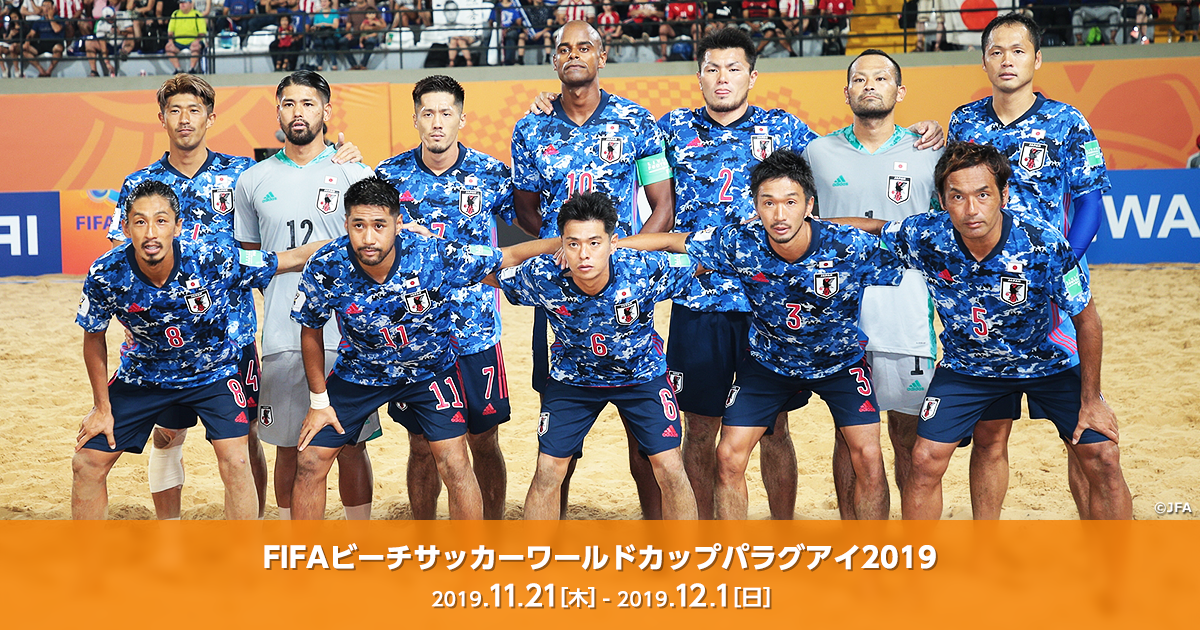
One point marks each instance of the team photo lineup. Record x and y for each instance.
(796, 268)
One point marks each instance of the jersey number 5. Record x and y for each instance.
(977, 316)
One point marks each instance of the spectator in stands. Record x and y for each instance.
(142, 16)
(762, 18)
(407, 14)
(1102, 11)
(323, 34)
(683, 18)
(793, 21)
(1194, 161)
(722, 13)
(10, 36)
(372, 31)
(1054, 16)
(31, 10)
(70, 12)
(44, 35)
(641, 22)
(186, 31)
(125, 38)
(1142, 15)
(541, 26)
(237, 14)
(97, 44)
(352, 32)
(1187, 16)
(457, 42)
(507, 17)
(569, 10)
(835, 22)
(287, 45)
(608, 22)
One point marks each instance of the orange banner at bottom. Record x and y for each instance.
(592, 574)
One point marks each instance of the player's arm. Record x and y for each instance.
(527, 205)
(1086, 221)
(674, 242)
(320, 414)
(932, 134)
(1094, 413)
(347, 152)
(661, 196)
(294, 259)
(99, 419)
(543, 103)
(871, 226)
(519, 253)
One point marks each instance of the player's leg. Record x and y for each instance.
(567, 414)
(422, 480)
(312, 472)
(1078, 483)
(356, 480)
(678, 501)
(777, 463)
(989, 466)
(454, 467)
(486, 390)
(902, 432)
(248, 374)
(922, 498)
(441, 416)
(89, 483)
(233, 462)
(850, 395)
(565, 491)
(900, 382)
(730, 496)
(843, 477)
(222, 407)
(542, 502)
(649, 496)
(165, 471)
(285, 480)
(488, 462)
(700, 458)
(651, 415)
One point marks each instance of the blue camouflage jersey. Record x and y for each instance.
(1054, 154)
(712, 165)
(397, 331)
(607, 339)
(805, 322)
(180, 330)
(458, 205)
(555, 157)
(1000, 314)
(206, 207)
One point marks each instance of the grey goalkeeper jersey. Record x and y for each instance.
(282, 205)
(891, 184)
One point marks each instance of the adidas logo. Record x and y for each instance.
(916, 387)
(354, 309)
(695, 143)
(562, 310)
(550, 150)
(671, 432)
(759, 277)
(867, 406)
(945, 275)
(135, 308)
(840, 181)
(241, 419)
(250, 402)
(407, 196)
(489, 410)
(270, 197)
(458, 417)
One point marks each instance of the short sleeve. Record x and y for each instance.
(1071, 290)
(525, 174)
(894, 238)
(879, 265)
(504, 195)
(255, 268)
(463, 265)
(310, 307)
(1086, 168)
(801, 135)
(245, 214)
(710, 248)
(94, 308)
(954, 130)
(519, 284)
(673, 276)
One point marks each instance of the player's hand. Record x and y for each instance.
(543, 102)
(128, 343)
(419, 229)
(347, 152)
(1095, 414)
(560, 258)
(314, 421)
(932, 135)
(96, 422)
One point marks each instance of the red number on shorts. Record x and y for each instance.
(728, 175)
(584, 181)
(490, 373)
(977, 316)
(439, 229)
(252, 376)
(174, 337)
(793, 318)
(442, 403)
(238, 395)
(387, 336)
(598, 347)
(668, 403)
(864, 382)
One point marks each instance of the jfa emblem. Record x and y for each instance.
(611, 148)
(1033, 155)
(469, 202)
(676, 380)
(264, 415)
(929, 407)
(627, 312)
(327, 200)
(825, 284)
(761, 147)
(417, 303)
(899, 188)
(543, 422)
(222, 200)
(1013, 291)
(198, 303)
(732, 397)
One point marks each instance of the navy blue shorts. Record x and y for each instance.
(541, 351)
(135, 408)
(179, 417)
(569, 411)
(761, 393)
(437, 403)
(703, 351)
(957, 401)
(486, 387)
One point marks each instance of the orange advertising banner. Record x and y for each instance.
(1146, 113)
(590, 575)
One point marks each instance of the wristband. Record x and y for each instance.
(318, 401)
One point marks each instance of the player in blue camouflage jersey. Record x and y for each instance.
(1055, 158)
(804, 280)
(589, 140)
(606, 351)
(996, 274)
(390, 292)
(176, 300)
(456, 192)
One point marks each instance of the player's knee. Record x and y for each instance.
(927, 465)
(667, 464)
(166, 466)
(551, 471)
(1101, 462)
(486, 444)
(700, 429)
(731, 461)
(85, 466)
(168, 438)
(991, 437)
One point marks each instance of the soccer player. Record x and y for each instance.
(591, 141)
(996, 274)
(804, 281)
(204, 181)
(175, 298)
(872, 169)
(283, 202)
(1055, 157)
(391, 291)
(455, 192)
(606, 350)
